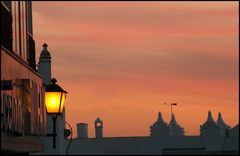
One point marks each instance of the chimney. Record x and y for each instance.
(82, 130)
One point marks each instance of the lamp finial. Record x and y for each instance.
(53, 81)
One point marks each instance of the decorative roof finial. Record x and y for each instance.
(160, 119)
(53, 81)
(45, 45)
(45, 53)
(210, 118)
(173, 120)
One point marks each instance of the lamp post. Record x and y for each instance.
(54, 98)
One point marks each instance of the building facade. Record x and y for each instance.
(23, 114)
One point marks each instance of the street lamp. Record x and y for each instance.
(54, 98)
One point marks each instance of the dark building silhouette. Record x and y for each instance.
(98, 128)
(159, 128)
(159, 142)
(174, 128)
(22, 104)
(82, 130)
(222, 125)
(210, 132)
(210, 127)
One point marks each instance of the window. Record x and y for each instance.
(7, 4)
(23, 29)
(19, 28)
(15, 26)
(99, 124)
(6, 28)
(29, 17)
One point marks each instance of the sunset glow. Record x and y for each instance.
(121, 61)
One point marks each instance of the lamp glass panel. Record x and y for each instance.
(53, 102)
(62, 103)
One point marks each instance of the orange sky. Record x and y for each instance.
(121, 61)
